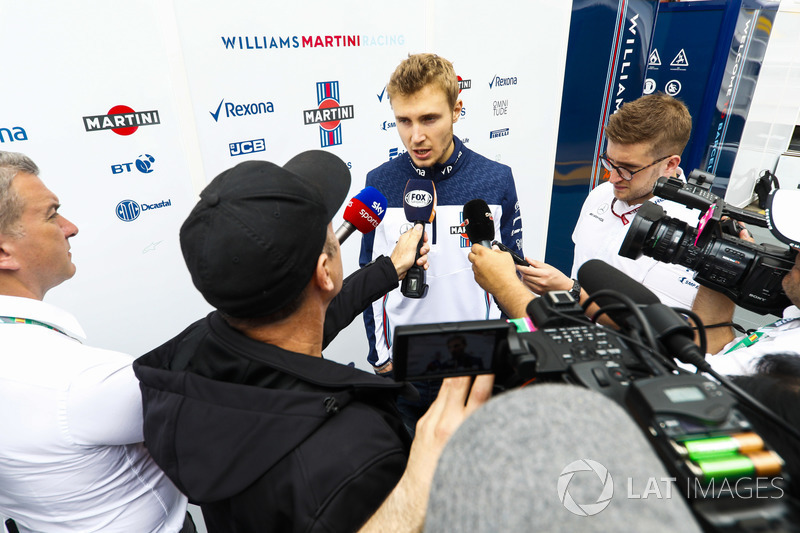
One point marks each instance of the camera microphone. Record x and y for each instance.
(670, 328)
(363, 213)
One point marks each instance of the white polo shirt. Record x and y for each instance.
(71, 451)
(599, 233)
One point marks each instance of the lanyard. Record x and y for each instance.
(15, 320)
(760, 332)
(624, 216)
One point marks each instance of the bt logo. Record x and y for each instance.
(143, 163)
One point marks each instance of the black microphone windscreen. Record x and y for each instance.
(478, 222)
(595, 275)
(552, 458)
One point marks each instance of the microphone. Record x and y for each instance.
(419, 205)
(363, 213)
(573, 448)
(671, 330)
(478, 222)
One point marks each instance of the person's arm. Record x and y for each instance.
(714, 308)
(104, 404)
(403, 511)
(511, 219)
(372, 281)
(494, 272)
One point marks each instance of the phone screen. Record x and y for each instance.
(457, 352)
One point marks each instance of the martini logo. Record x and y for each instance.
(329, 114)
(122, 120)
(464, 84)
(461, 231)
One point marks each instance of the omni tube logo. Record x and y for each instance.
(585, 509)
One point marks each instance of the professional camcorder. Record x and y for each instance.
(733, 479)
(749, 274)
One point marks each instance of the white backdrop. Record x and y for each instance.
(193, 62)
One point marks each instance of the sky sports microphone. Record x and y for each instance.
(363, 213)
(671, 330)
(419, 205)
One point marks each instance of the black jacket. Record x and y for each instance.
(269, 440)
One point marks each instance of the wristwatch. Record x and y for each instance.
(575, 291)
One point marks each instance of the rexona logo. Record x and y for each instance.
(247, 147)
(15, 133)
(241, 110)
(122, 120)
(418, 198)
(128, 210)
(500, 82)
(329, 113)
(143, 163)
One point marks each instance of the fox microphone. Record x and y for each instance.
(363, 213)
(419, 205)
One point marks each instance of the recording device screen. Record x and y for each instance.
(430, 351)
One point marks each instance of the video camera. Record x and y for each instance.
(749, 274)
(693, 422)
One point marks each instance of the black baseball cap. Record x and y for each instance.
(252, 241)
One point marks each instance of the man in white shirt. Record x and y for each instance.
(645, 140)
(71, 450)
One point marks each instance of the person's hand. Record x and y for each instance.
(494, 271)
(406, 250)
(458, 398)
(492, 268)
(542, 278)
(404, 509)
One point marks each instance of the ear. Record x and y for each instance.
(457, 111)
(322, 274)
(672, 164)
(8, 260)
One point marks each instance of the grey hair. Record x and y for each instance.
(12, 163)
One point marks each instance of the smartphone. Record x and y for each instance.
(436, 351)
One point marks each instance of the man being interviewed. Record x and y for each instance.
(423, 91)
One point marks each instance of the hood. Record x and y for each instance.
(215, 438)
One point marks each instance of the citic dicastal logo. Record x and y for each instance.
(585, 509)
(12, 134)
(128, 210)
(144, 164)
(122, 120)
(329, 114)
(241, 110)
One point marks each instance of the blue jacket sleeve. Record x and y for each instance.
(511, 220)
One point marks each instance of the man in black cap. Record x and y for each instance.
(241, 410)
